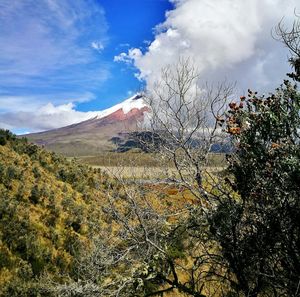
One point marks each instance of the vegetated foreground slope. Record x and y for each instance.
(49, 209)
(51, 212)
(94, 135)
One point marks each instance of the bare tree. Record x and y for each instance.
(158, 245)
(169, 246)
(290, 37)
(184, 122)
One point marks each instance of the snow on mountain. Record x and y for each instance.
(94, 134)
(134, 102)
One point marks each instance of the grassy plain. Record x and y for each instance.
(135, 158)
(139, 164)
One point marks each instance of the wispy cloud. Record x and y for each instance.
(97, 45)
(47, 48)
(225, 39)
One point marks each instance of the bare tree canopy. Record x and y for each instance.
(290, 37)
(184, 119)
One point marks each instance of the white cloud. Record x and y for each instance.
(123, 57)
(50, 116)
(33, 114)
(97, 45)
(47, 35)
(225, 38)
(123, 45)
(10, 104)
(46, 117)
(47, 54)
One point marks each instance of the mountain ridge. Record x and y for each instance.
(94, 135)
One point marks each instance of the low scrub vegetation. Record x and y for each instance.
(49, 209)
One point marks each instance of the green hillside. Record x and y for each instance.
(49, 209)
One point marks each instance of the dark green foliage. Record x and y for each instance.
(35, 195)
(2, 140)
(295, 62)
(260, 231)
(6, 135)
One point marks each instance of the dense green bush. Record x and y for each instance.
(260, 230)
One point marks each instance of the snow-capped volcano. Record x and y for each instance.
(132, 103)
(94, 134)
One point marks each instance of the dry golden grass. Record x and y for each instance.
(135, 158)
(151, 174)
(175, 199)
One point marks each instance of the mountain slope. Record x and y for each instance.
(94, 135)
(49, 208)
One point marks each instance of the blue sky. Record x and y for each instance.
(130, 25)
(61, 59)
(62, 52)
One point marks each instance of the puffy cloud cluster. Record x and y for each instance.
(46, 117)
(224, 38)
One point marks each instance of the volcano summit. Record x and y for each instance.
(94, 135)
